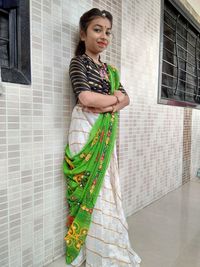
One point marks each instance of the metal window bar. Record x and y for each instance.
(169, 63)
(186, 92)
(185, 53)
(177, 61)
(3, 11)
(178, 44)
(185, 60)
(164, 48)
(167, 74)
(168, 87)
(13, 38)
(168, 13)
(187, 72)
(180, 68)
(169, 26)
(3, 40)
(168, 38)
(186, 50)
(197, 74)
(179, 34)
(17, 52)
(181, 57)
(186, 40)
(171, 88)
(198, 49)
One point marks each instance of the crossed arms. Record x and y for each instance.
(99, 103)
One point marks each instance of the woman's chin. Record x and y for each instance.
(101, 49)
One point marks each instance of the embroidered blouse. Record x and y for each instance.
(85, 76)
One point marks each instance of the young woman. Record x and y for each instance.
(97, 228)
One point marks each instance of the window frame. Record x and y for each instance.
(188, 16)
(19, 69)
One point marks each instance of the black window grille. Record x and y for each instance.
(15, 41)
(180, 60)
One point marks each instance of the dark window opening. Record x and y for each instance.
(180, 64)
(15, 41)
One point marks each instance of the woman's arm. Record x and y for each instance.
(97, 100)
(121, 105)
(112, 108)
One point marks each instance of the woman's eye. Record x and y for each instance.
(97, 30)
(108, 33)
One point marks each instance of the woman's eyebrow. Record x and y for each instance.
(101, 26)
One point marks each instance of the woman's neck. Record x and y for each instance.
(94, 57)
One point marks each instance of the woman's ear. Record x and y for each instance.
(82, 35)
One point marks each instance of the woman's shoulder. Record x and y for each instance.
(78, 63)
(81, 59)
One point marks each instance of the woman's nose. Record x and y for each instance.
(103, 35)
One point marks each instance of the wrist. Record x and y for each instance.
(112, 108)
(117, 99)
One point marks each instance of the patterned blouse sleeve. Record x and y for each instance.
(78, 76)
(121, 88)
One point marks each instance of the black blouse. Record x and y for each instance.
(85, 76)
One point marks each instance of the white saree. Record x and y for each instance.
(107, 243)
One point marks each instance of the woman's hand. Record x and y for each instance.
(119, 95)
(125, 102)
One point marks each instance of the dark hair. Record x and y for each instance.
(85, 19)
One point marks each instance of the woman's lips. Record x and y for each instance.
(102, 44)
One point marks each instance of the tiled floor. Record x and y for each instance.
(167, 232)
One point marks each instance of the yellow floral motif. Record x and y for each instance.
(74, 235)
(85, 156)
(69, 162)
(82, 155)
(95, 138)
(84, 231)
(88, 157)
(94, 141)
(78, 177)
(87, 209)
(92, 188)
(83, 207)
(107, 140)
(79, 244)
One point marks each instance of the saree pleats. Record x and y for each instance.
(107, 242)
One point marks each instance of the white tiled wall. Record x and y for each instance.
(150, 134)
(194, 8)
(195, 155)
(34, 121)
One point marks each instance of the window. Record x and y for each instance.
(15, 41)
(179, 57)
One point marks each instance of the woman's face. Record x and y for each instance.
(97, 36)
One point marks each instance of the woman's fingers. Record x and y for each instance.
(120, 95)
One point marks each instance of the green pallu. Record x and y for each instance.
(85, 173)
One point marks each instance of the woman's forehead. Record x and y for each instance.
(103, 22)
